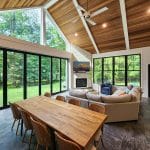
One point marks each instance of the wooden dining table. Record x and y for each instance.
(76, 123)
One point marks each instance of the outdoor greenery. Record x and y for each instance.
(25, 24)
(15, 75)
(104, 70)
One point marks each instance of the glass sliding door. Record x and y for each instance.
(1, 78)
(45, 74)
(55, 75)
(15, 70)
(32, 75)
(64, 74)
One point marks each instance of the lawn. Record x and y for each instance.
(16, 94)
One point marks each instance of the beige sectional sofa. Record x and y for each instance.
(120, 106)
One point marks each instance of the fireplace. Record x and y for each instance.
(81, 82)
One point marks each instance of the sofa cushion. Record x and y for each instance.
(118, 93)
(78, 93)
(94, 97)
(117, 99)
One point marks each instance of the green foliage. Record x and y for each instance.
(25, 25)
(53, 38)
(133, 70)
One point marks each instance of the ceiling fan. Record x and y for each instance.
(88, 15)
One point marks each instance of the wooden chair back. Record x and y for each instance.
(65, 144)
(47, 94)
(97, 108)
(60, 98)
(74, 102)
(26, 120)
(15, 111)
(41, 132)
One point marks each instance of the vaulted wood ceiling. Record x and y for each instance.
(138, 16)
(9, 4)
(112, 37)
(67, 18)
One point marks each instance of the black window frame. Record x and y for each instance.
(113, 71)
(5, 50)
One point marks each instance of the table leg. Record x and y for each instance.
(21, 127)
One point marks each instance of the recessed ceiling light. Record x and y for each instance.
(104, 25)
(76, 34)
(148, 11)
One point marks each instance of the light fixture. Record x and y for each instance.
(148, 11)
(104, 25)
(76, 34)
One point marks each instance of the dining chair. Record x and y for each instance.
(74, 102)
(64, 143)
(47, 94)
(60, 98)
(42, 134)
(99, 109)
(16, 115)
(27, 124)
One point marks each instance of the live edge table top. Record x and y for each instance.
(77, 123)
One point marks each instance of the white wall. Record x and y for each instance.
(79, 55)
(21, 45)
(145, 60)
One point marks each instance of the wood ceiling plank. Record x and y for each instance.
(12, 4)
(138, 22)
(111, 37)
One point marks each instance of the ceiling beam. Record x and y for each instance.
(50, 3)
(124, 23)
(86, 26)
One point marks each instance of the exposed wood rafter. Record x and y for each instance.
(86, 26)
(124, 23)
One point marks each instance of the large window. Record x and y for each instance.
(119, 76)
(55, 75)
(23, 24)
(53, 38)
(32, 75)
(45, 74)
(108, 70)
(1, 78)
(64, 74)
(97, 70)
(15, 69)
(25, 75)
(134, 70)
(118, 70)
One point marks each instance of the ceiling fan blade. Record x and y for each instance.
(90, 21)
(81, 8)
(99, 11)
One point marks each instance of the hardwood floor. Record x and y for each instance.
(133, 135)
